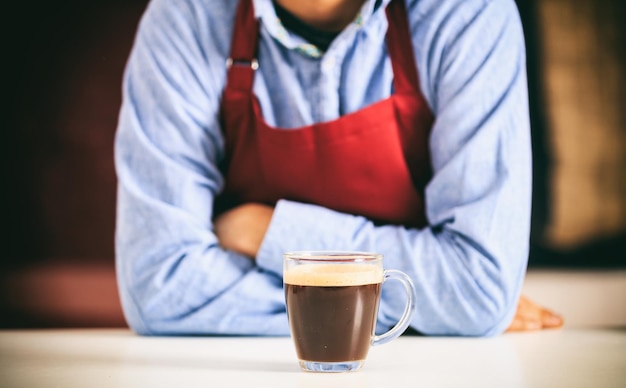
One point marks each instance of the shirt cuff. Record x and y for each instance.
(303, 227)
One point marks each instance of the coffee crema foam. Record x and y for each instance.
(333, 275)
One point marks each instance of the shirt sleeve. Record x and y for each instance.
(173, 276)
(468, 264)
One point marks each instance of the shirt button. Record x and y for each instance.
(328, 64)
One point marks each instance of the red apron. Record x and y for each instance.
(374, 162)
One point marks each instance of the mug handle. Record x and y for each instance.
(409, 308)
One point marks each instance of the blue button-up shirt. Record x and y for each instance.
(467, 266)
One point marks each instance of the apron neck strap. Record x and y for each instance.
(243, 50)
(400, 47)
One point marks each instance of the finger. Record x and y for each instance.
(521, 323)
(550, 320)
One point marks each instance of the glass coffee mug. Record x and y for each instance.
(332, 303)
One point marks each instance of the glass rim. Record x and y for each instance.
(333, 256)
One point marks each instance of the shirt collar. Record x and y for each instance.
(264, 11)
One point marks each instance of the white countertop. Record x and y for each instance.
(118, 358)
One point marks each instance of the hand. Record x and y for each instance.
(530, 316)
(243, 228)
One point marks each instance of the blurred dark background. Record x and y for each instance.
(64, 72)
(64, 75)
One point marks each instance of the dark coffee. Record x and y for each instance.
(331, 322)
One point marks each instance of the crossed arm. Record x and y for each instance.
(242, 230)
